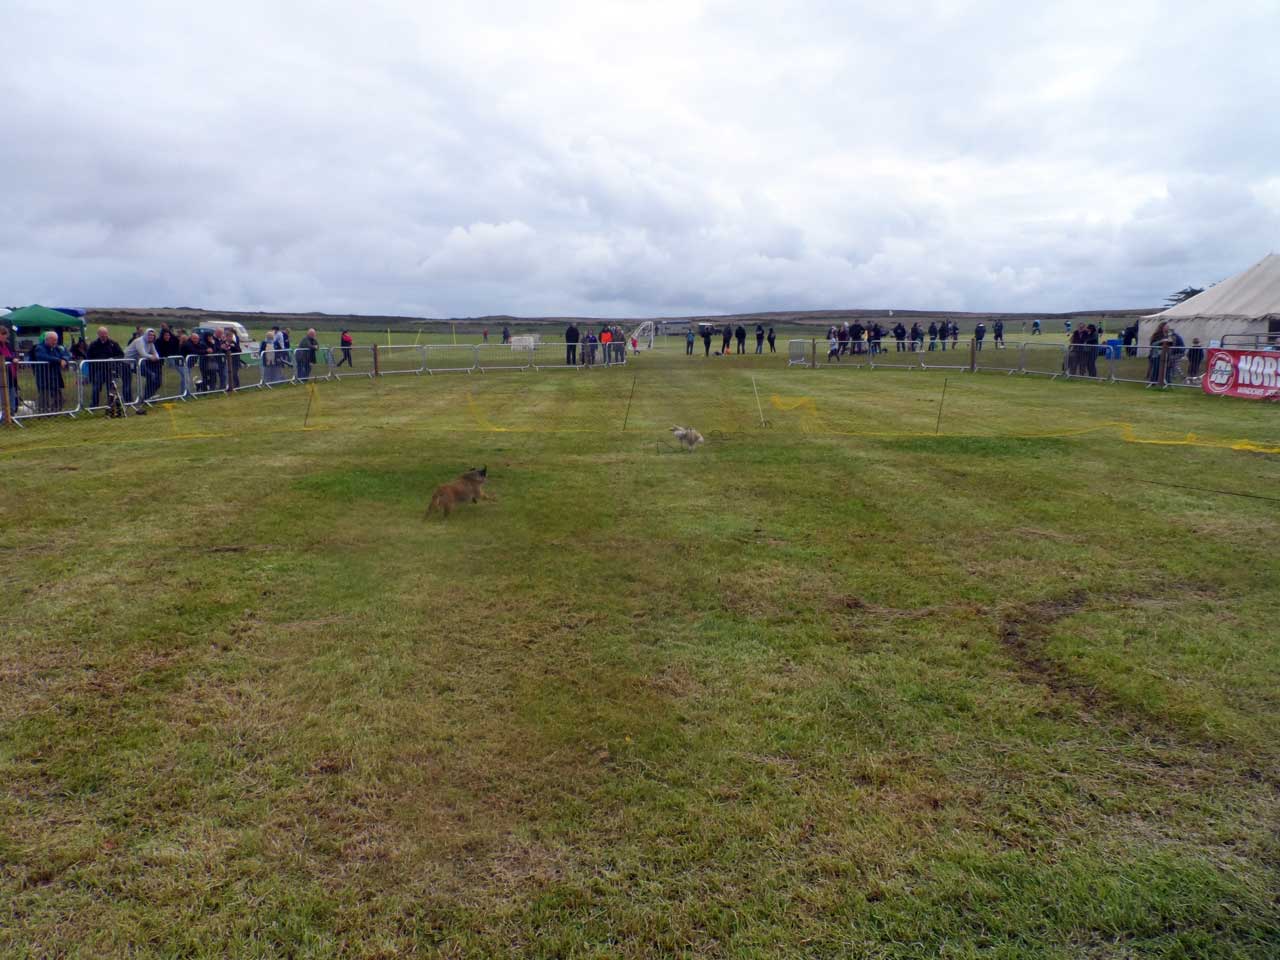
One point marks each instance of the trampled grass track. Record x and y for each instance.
(836, 687)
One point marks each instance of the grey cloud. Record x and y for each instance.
(703, 158)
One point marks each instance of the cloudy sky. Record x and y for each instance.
(634, 158)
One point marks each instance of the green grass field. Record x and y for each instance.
(855, 679)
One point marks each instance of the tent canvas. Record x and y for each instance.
(1248, 303)
(37, 319)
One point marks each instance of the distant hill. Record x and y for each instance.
(192, 316)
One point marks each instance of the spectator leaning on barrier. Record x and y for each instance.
(9, 363)
(100, 374)
(143, 350)
(52, 361)
(307, 354)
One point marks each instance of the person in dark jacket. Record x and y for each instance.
(955, 335)
(210, 364)
(306, 354)
(102, 349)
(759, 338)
(856, 333)
(772, 340)
(997, 330)
(741, 336)
(979, 334)
(344, 343)
(900, 335)
(933, 334)
(917, 337)
(688, 342)
(1089, 351)
(706, 341)
(49, 383)
(571, 338)
(1195, 359)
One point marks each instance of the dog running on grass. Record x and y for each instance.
(468, 488)
(687, 437)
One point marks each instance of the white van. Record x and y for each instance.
(247, 343)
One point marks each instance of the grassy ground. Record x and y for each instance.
(860, 681)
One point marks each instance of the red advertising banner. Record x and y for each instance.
(1253, 374)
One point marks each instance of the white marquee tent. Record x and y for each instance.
(1248, 303)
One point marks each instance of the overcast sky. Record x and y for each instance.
(634, 159)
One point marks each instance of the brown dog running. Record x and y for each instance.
(468, 488)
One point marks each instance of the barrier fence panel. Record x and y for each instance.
(277, 368)
(1046, 359)
(945, 354)
(504, 356)
(799, 353)
(161, 380)
(401, 359)
(555, 356)
(999, 358)
(43, 389)
(209, 374)
(615, 353)
(310, 364)
(246, 371)
(1143, 367)
(847, 354)
(592, 353)
(99, 378)
(1087, 361)
(893, 358)
(352, 362)
(450, 358)
(1184, 367)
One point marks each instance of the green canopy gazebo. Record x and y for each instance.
(34, 321)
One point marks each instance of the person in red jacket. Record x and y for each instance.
(345, 341)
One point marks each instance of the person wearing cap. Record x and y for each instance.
(52, 360)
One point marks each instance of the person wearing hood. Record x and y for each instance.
(143, 350)
(740, 335)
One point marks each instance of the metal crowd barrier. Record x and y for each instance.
(1178, 367)
(898, 359)
(505, 356)
(310, 365)
(98, 378)
(160, 381)
(451, 358)
(1003, 358)
(555, 356)
(276, 368)
(44, 389)
(351, 362)
(401, 359)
